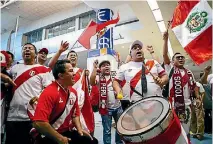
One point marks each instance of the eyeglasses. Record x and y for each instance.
(180, 57)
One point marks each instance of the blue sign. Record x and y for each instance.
(105, 37)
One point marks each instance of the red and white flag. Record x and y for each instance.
(94, 28)
(87, 115)
(192, 25)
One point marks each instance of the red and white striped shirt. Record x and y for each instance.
(30, 81)
(132, 71)
(53, 100)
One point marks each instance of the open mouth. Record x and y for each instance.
(27, 55)
(139, 54)
(72, 59)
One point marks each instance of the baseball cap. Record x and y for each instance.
(4, 58)
(134, 43)
(102, 62)
(44, 50)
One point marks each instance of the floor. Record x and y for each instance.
(99, 133)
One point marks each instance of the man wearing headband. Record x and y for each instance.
(144, 77)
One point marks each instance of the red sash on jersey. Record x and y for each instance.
(103, 95)
(149, 64)
(28, 74)
(177, 90)
(78, 75)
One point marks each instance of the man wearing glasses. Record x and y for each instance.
(181, 86)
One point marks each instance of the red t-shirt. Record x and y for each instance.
(52, 102)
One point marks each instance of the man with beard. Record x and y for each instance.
(86, 117)
(57, 111)
(30, 80)
(42, 56)
(140, 74)
(181, 85)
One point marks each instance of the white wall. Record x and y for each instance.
(53, 43)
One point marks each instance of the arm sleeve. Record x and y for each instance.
(120, 74)
(44, 107)
(160, 69)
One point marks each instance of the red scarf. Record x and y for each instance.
(177, 91)
(103, 94)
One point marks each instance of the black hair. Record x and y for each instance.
(59, 67)
(31, 45)
(72, 51)
(8, 52)
(105, 61)
(175, 55)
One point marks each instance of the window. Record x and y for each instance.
(60, 29)
(85, 19)
(34, 36)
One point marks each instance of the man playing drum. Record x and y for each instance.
(145, 77)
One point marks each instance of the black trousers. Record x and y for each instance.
(75, 139)
(17, 132)
(208, 121)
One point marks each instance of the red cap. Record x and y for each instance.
(44, 50)
(4, 58)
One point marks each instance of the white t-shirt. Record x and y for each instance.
(131, 73)
(210, 79)
(201, 89)
(30, 81)
(186, 91)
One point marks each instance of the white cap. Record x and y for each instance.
(134, 43)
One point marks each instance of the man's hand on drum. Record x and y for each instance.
(64, 140)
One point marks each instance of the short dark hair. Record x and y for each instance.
(72, 51)
(31, 45)
(103, 62)
(175, 55)
(59, 67)
(8, 52)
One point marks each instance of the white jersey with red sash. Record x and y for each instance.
(30, 81)
(81, 86)
(132, 71)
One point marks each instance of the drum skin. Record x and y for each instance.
(151, 131)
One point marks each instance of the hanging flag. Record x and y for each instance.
(192, 25)
(94, 28)
(87, 115)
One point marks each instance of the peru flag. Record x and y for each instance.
(192, 25)
(87, 115)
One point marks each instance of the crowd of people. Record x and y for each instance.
(44, 104)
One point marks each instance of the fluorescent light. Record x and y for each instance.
(153, 4)
(161, 26)
(157, 14)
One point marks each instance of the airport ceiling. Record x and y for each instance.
(150, 34)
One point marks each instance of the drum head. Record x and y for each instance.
(143, 116)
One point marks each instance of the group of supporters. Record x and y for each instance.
(48, 104)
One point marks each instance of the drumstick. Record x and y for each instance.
(151, 73)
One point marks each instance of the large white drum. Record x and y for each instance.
(145, 120)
